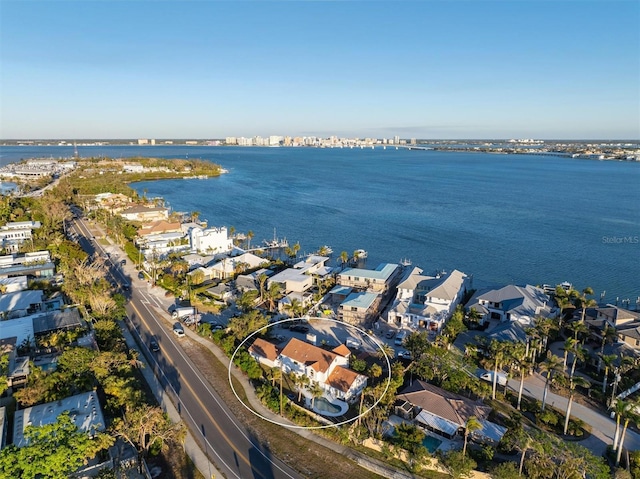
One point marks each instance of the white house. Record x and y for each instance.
(427, 301)
(300, 278)
(13, 234)
(228, 267)
(330, 369)
(210, 240)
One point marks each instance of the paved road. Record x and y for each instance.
(236, 453)
(602, 427)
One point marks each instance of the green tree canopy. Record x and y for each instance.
(52, 451)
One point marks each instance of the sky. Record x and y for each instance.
(546, 69)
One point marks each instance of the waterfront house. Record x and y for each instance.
(229, 267)
(304, 299)
(209, 240)
(624, 321)
(302, 276)
(145, 214)
(112, 202)
(512, 303)
(378, 280)
(359, 308)
(444, 412)
(427, 301)
(159, 227)
(159, 245)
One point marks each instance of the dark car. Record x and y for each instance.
(299, 328)
(154, 346)
(140, 275)
(123, 262)
(390, 334)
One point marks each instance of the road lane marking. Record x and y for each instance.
(221, 406)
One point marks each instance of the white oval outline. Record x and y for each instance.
(293, 426)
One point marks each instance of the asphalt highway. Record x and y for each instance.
(234, 450)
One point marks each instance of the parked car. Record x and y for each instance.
(400, 338)
(154, 346)
(140, 275)
(488, 376)
(123, 262)
(353, 343)
(299, 328)
(390, 334)
(403, 354)
(178, 330)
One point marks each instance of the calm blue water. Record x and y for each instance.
(502, 218)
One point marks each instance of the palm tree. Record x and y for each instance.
(272, 295)
(579, 354)
(316, 391)
(608, 336)
(344, 258)
(629, 414)
(524, 365)
(578, 328)
(250, 235)
(470, 426)
(262, 285)
(606, 360)
(619, 407)
(499, 351)
(301, 381)
(581, 301)
(573, 382)
(551, 365)
(569, 345)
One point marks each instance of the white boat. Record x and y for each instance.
(325, 250)
(360, 254)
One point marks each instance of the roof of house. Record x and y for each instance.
(382, 272)
(342, 378)
(630, 330)
(412, 281)
(53, 320)
(341, 290)
(508, 331)
(83, 408)
(142, 209)
(309, 355)
(265, 349)
(161, 226)
(521, 300)
(342, 350)
(448, 286)
(20, 300)
(447, 405)
(360, 300)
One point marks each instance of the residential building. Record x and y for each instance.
(444, 412)
(378, 280)
(359, 308)
(330, 369)
(21, 303)
(303, 275)
(512, 303)
(145, 214)
(83, 408)
(13, 234)
(37, 264)
(625, 322)
(229, 267)
(159, 227)
(13, 284)
(210, 240)
(427, 301)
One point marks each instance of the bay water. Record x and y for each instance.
(502, 218)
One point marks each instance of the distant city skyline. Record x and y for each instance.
(427, 70)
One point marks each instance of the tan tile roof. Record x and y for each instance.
(309, 355)
(442, 403)
(160, 226)
(342, 378)
(342, 350)
(265, 349)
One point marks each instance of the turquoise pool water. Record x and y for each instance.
(324, 407)
(431, 443)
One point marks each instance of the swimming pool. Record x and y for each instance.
(322, 406)
(431, 443)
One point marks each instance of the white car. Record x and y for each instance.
(178, 330)
(403, 354)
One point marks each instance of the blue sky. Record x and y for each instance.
(424, 69)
